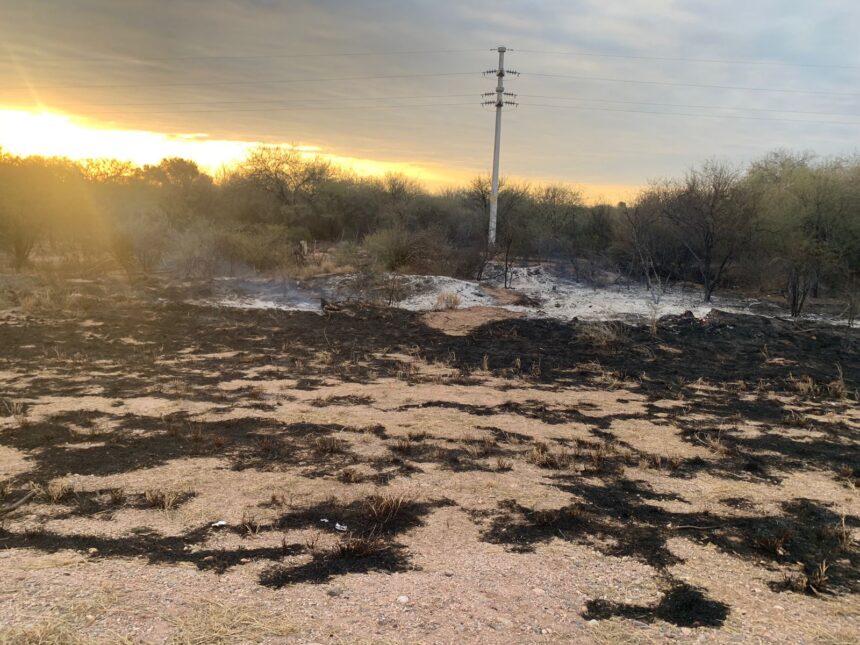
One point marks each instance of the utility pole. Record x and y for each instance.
(500, 103)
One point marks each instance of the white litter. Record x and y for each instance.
(219, 524)
(325, 521)
(339, 527)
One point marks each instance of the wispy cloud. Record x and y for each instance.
(161, 52)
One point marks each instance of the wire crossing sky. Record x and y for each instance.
(609, 96)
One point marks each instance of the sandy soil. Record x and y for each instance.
(210, 475)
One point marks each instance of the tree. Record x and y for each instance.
(809, 209)
(650, 248)
(285, 173)
(477, 196)
(32, 197)
(554, 214)
(712, 213)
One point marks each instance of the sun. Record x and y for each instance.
(50, 134)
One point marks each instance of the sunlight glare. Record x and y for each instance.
(48, 133)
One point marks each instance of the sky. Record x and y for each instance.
(610, 95)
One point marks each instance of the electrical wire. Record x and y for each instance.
(256, 82)
(291, 109)
(688, 105)
(284, 100)
(722, 61)
(280, 56)
(701, 85)
(688, 114)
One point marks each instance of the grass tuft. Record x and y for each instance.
(358, 546)
(384, 509)
(541, 456)
(329, 445)
(162, 498)
(447, 301)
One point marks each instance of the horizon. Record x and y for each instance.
(609, 99)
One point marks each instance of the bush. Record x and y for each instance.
(394, 249)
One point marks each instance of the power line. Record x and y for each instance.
(291, 103)
(688, 105)
(688, 114)
(138, 59)
(284, 100)
(291, 100)
(291, 109)
(723, 61)
(676, 84)
(257, 82)
(132, 58)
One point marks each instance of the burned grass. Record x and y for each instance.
(697, 406)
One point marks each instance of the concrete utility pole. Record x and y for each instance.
(500, 103)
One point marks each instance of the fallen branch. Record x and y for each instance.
(11, 507)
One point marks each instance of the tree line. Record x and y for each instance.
(787, 222)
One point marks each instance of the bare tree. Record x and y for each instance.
(649, 247)
(713, 214)
(285, 173)
(510, 197)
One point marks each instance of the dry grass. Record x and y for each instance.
(384, 509)
(403, 447)
(840, 533)
(66, 625)
(162, 498)
(804, 386)
(503, 465)
(250, 524)
(17, 410)
(604, 334)
(447, 301)
(117, 496)
(330, 445)
(813, 581)
(714, 442)
(773, 543)
(218, 624)
(49, 631)
(358, 546)
(541, 456)
(837, 388)
(5, 490)
(54, 492)
(350, 476)
(52, 631)
(51, 300)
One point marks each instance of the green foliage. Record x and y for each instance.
(788, 222)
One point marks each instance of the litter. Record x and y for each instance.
(339, 527)
(324, 520)
(219, 524)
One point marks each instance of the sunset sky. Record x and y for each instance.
(391, 85)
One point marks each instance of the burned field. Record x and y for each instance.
(365, 476)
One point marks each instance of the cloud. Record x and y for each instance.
(153, 61)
